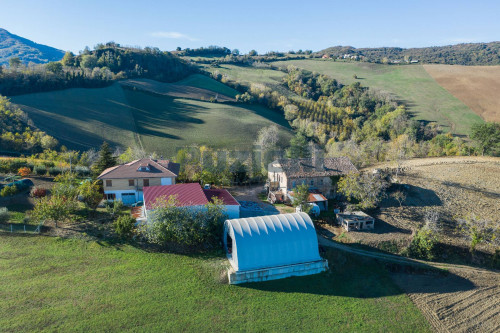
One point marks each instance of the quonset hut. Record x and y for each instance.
(272, 247)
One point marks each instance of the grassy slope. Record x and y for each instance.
(204, 82)
(83, 118)
(411, 84)
(71, 285)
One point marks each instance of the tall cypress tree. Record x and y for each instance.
(105, 160)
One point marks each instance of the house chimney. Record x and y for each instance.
(317, 158)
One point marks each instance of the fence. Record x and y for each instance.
(21, 228)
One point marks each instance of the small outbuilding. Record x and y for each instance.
(272, 247)
(357, 220)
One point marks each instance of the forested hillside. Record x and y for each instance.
(460, 54)
(17, 131)
(26, 50)
(97, 68)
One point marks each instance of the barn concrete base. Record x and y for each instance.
(280, 272)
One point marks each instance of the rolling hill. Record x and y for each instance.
(83, 118)
(459, 54)
(410, 84)
(28, 51)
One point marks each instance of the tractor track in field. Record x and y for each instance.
(467, 299)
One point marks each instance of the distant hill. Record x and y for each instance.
(28, 51)
(460, 54)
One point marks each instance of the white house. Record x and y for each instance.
(126, 182)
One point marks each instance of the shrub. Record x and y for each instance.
(4, 214)
(113, 208)
(54, 171)
(40, 170)
(24, 171)
(8, 191)
(423, 244)
(49, 164)
(124, 225)
(38, 192)
(82, 171)
(172, 224)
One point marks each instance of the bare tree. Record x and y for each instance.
(400, 196)
(268, 138)
(478, 231)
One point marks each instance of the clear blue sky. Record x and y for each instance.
(261, 25)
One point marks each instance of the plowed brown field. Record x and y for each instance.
(478, 87)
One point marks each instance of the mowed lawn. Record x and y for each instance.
(409, 83)
(51, 284)
(84, 118)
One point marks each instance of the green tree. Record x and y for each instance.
(54, 67)
(299, 147)
(252, 53)
(105, 160)
(88, 61)
(48, 142)
(54, 208)
(68, 59)
(487, 135)
(301, 198)
(91, 194)
(14, 62)
(368, 189)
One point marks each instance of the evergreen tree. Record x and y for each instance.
(299, 147)
(105, 160)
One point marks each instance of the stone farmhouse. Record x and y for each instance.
(285, 174)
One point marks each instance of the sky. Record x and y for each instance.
(245, 25)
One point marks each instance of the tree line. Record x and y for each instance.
(100, 67)
(460, 54)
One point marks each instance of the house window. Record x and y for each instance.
(321, 181)
(109, 183)
(145, 182)
(130, 182)
(110, 196)
(312, 182)
(294, 184)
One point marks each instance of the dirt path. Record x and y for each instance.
(466, 300)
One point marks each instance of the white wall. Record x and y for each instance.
(167, 181)
(118, 193)
(232, 211)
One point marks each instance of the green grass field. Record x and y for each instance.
(204, 82)
(52, 284)
(425, 98)
(84, 118)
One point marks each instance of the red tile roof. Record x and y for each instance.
(157, 169)
(224, 195)
(186, 194)
(190, 194)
